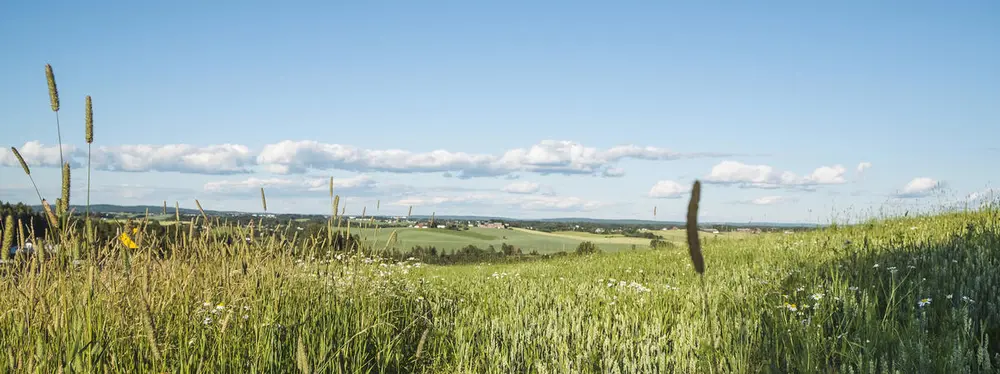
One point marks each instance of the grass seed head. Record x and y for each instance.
(88, 119)
(8, 236)
(24, 165)
(65, 187)
(48, 212)
(336, 204)
(53, 91)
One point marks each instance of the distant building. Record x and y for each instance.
(493, 225)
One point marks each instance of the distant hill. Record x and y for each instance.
(153, 209)
(137, 209)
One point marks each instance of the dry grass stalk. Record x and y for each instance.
(694, 245)
(50, 214)
(263, 199)
(203, 215)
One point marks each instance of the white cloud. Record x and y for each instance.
(613, 172)
(668, 190)
(864, 166)
(522, 187)
(283, 186)
(546, 157)
(919, 187)
(298, 157)
(770, 200)
(523, 202)
(764, 176)
(184, 158)
(36, 154)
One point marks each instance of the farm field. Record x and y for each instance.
(527, 240)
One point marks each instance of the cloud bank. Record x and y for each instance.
(919, 187)
(767, 177)
(299, 157)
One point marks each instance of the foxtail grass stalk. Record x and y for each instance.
(54, 101)
(50, 214)
(27, 171)
(8, 237)
(64, 202)
(88, 124)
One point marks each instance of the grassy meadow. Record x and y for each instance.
(903, 295)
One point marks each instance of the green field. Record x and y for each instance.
(902, 295)
(527, 240)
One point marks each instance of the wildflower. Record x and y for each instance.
(924, 302)
(853, 288)
(207, 321)
(791, 307)
(876, 265)
(967, 299)
(892, 269)
(220, 307)
(800, 289)
(817, 296)
(949, 296)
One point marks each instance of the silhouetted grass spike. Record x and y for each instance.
(263, 199)
(694, 246)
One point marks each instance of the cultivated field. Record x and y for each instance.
(527, 240)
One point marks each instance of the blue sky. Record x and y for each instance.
(601, 109)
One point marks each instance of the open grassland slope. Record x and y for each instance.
(907, 295)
